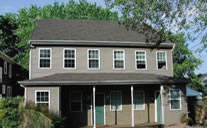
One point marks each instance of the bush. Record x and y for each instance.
(9, 114)
(184, 119)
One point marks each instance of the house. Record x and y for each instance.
(10, 73)
(99, 73)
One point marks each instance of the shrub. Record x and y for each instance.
(184, 119)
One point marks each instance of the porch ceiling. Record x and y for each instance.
(102, 79)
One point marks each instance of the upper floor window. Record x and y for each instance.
(119, 59)
(45, 58)
(5, 67)
(141, 60)
(70, 58)
(42, 97)
(175, 99)
(10, 70)
(161, 60)
(93, 59)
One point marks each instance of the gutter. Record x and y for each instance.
(99, 43)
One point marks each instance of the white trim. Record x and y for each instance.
(9, 92)
(114, 59)
(25, 95)
(132, 103)
(99, 59)
(69, 58)
(165, 60)
(121, 101)
(30, 63)
(94, 106)
(162, 103)
(5, 67)
(143, 99)
(136, 59)
(176, 99)
(76, 91)
(49, 58)
(36, 102)
(3, 89)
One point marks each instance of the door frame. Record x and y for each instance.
(104, 106)
(156, 104)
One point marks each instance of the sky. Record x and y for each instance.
(14, 5)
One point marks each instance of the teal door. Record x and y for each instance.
(159, 107)
(99, 108)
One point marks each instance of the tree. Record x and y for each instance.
(8, 39)
(71, 10)
(184, 62)
(165, 16)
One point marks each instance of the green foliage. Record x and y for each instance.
(8, 39)
(27, 17)
(184, 118)
(9, 114)
(184, 62)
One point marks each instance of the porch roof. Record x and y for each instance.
(102, 79)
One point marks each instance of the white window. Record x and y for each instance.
(139, 100)
(70, 58)
(45, 58)
(42, 98)
(9, 92)
(116, 101)
(119, 59)
(161, 60)
(76, 101)
(3, 89)
(5, 67)
(141, 60)
(10, 70)
(93, 59)
(175, 99)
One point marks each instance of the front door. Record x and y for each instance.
(158, 107)
(99, 108)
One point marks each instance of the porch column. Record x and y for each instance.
(162, 104)
(132, 100)
(94, 107)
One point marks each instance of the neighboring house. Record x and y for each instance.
(100, 73)
(10, 73)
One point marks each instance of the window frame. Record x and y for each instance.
(39, 102)
(5, 67)
(115, 59)
(10, 71)
(165, 60)
(69, 58)
(111, 101)
(3, 89)
(180, 99)
(137, 60)
(143, 99)
(9, 92)
(47, 58)
(81, 101)
(99, 59)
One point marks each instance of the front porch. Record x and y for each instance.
(97, 105)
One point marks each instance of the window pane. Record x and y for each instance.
(93, 63)
(45, 63)
(44, 52)
(69, 63)
(139, 100)
(93, 54)
(175, 94)
(119, 64)
(115, 100)
(175, 104)
(42, 97)
(119, 55)
(76, 96)
(161, 65)
(69, 53)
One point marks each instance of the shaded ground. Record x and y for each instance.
(183, 126)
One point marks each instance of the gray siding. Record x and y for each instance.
(54, 96)
(173, 116)
(106, 61)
